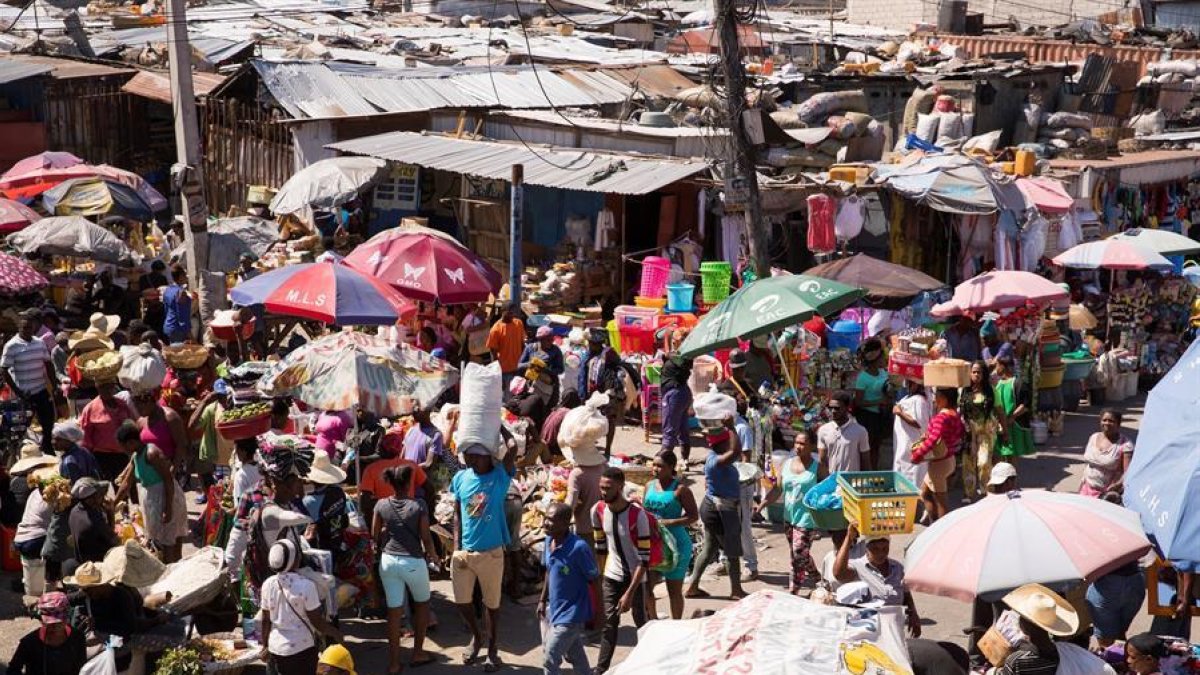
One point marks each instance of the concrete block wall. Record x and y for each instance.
(903, 14)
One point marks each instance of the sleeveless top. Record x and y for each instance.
(159, 434)
(146, 474)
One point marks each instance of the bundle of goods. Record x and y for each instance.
(193, 581)
(852, 133)
(953, 373)
(1064, 130)
(560, 286)
(912, 348)
(245, 421)
(945, 126)
(101, 365)
(481, 398)
(186, 356)
(142, 368)
(1050, 357)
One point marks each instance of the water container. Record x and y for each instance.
(714, 281)
(655, 273)
(1041, 432)
(844, 334)
(679, 297)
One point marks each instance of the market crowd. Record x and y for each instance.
(318, 511)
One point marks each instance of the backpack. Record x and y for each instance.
(657, 533)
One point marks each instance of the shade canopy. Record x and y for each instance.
(231, 238)
(888, 286)
(74, 237)
(327, 183)
(1163, 242)
(1000, 289)
(327, 292)
(15, 216)
(1112, 254)
(426, 265)
(1027, 536)
(96, 197)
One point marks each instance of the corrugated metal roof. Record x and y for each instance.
(310, 90)
(338, 89)
(601, 124)
(12, 70)
(66, 69)
(548, 167)
(157, 86)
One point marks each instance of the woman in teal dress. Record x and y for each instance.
(797, 476)
(675, 507)
(1014, 407)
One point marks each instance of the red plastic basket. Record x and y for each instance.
(245, 428)
(229, 331)
(637, 340)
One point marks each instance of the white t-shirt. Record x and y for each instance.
(289, 597)
(244, 479)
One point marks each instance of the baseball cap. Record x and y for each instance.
(86, 487)
(1002, 472)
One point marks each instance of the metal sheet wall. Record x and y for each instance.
(1058, 51)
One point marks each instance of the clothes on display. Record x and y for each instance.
(821, 235)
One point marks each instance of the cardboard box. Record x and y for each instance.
(948, 373)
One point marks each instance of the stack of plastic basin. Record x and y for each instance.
(844, 335)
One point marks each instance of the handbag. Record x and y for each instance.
(939, 451)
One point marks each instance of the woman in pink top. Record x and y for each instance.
(162, 427)
(331, 429)
(941, 443)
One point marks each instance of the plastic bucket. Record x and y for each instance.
(844, 335)
(714, 281)
(656, 271)
(1041, 432)
(614, 335)
(679, 297)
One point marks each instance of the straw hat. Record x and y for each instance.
(132, 565)
(1044, 608)
(100, 327)
(89, 574)
(323, 470)
(32, 458)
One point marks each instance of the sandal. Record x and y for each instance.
(491, 664)
(698, 593)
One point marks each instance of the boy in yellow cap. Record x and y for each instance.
(335, 660)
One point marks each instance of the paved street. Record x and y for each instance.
(1056, 467)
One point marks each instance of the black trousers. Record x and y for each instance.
(42, 407)
(612, 592)
(111, 464)
(304, 663)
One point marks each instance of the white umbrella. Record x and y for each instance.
(327, 183)
(1163, 242)
(230, 238)
(1111, 254)
(74, 237)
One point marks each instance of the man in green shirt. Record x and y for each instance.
(213, 448)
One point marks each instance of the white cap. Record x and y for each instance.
(1002, 472)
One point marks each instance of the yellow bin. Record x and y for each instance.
(1025, 163)
(614, 335)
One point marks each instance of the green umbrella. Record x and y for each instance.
(765, 306)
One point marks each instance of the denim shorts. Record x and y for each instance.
(400, 573)
(1114, 600)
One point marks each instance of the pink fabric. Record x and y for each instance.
(1047, 194)
(821, 235)
(947, 427)
(331, 429)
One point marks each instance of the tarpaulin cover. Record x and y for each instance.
(774, 633)
(327, 183)
(71, 236)
(230, 238)
(948, 183)
(1164, 476)
(96, 197)
(888, 286)
(1047, 194)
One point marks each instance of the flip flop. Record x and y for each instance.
(490, 664)
(698, 593)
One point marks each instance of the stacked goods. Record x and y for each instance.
(910, 352)
(185, 357)
(245, 421)
(1064, 130)
(853, 134)
(1178, 75)
(945, 126)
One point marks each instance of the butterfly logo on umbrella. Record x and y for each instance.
(457, 275)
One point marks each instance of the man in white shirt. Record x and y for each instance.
(842, 443)
(27, 370)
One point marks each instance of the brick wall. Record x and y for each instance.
(902, 14)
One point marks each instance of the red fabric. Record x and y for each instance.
(821, 235)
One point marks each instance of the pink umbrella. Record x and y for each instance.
(1000, 289)
(426, 265)
(1026, 536)
(326, 292)
(1112, 254)
(18, 277)
(1047, 194)
(41, 166)
(15, 216)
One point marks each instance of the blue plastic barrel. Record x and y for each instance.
(845, 334)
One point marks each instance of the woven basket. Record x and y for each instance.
(185, 357)
(91, 370)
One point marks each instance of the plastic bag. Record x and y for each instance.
(584, 426)
(104, 663)
(927, 127)
(481, 404)
(714, 406)
(1063, 120)
(142, 368)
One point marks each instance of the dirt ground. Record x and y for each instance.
(1057, 467)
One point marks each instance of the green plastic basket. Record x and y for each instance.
(714, 281)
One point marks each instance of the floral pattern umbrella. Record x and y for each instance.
(348, 369)
(18, 277)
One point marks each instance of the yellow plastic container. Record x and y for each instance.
(878, 502)
(614, 335)
(1025, 163)
(650, 303)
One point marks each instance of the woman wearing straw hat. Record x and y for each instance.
(31, 531)
(115, 603)
(1043, 614)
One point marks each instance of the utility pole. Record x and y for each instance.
(187, 173)
(740, 173)
(516, 220)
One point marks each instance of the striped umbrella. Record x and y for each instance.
(1111, 254)
(1027, 536)
(327, 292)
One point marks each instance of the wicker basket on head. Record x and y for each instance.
(101, 365)
(185, 357)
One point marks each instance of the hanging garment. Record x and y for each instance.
(606, 230)
(1070, 234)
(1033, 243)
(876, 220)
(731, 238)
(821, 237)
(851, 215)
(975, 236)
(701, 211)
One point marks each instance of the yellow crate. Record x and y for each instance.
(878, 502)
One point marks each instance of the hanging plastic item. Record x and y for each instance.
(851, 215)
(821, 235)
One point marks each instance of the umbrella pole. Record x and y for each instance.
(787, 372)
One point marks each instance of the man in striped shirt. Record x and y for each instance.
(622, 533)
(27, 370)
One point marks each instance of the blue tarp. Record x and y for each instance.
(1163, 482)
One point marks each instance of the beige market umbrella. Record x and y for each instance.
(1081, 318)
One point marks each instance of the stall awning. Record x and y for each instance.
(547, 166)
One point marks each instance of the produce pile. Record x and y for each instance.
(245, 412)
(56, 491)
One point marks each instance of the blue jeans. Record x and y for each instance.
(1114, 601)
(564, 640)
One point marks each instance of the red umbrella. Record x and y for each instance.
(18, 277)
(327, 292)
(15, 216)
(426, 265)
(43, 167)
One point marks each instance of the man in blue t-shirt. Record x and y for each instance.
(566, 604)
(481, 533)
